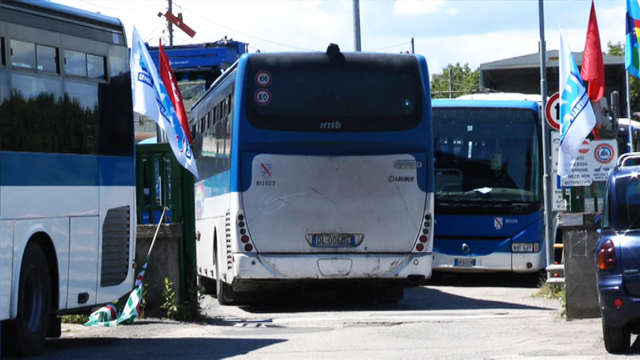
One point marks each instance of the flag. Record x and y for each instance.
(151, 98)
(632, 57)
(170, 83)
(577, 118)
(592, 61)
(108, 315)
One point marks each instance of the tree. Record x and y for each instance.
(634, 83)
(465, 81)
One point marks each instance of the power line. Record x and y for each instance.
(392, 46)
(245, 34)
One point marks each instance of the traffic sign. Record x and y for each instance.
(553, 111)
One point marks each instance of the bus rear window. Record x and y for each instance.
(358, 93)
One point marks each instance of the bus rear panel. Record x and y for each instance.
(328, 177)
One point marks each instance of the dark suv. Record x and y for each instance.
(618, 255)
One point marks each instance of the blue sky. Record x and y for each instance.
(444, 31)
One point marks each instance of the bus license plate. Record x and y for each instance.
(465, 262)
(333, 240)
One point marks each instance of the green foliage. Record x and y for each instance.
(465, 81)
(634, 83)
(170, 301)
(74, 319)
(187, 311)
(554, 291)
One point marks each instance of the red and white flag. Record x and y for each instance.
(171, 84)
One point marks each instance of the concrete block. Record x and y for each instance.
(580, 239)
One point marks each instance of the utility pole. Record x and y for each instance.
(356, 24)
(413, 48)
(170, 25)
(547, 183)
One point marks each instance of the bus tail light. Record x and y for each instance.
(607, 256)
(242, 230)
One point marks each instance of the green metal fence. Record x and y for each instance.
(161, 181)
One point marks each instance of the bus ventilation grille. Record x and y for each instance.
(115, 246)
(228, 236)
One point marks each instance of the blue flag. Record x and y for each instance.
(151, 98)
(577, 118)
(632, 57)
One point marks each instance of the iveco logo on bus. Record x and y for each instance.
(407, 164)
(330, 125)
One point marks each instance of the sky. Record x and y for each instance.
(443, 31)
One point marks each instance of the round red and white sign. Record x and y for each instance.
(263, 78)
(584, 148)
(552, 111)
(263, 97)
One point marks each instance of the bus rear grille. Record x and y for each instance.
(115, 246)
(227, 232)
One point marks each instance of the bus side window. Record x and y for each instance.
(23, 54)
(47, 59)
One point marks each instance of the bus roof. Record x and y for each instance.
(502, 96)
(456, 103)
(54, 10)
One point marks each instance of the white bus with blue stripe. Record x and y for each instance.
(67, 186)
(488, 185)
(316, 171)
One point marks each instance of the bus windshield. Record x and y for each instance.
(486, 154)
(314, 93)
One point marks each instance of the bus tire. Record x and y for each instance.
(28, 330)
(208, 285)
(224, 292)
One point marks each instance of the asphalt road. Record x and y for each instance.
(461, 317)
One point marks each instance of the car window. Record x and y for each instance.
(628, 198)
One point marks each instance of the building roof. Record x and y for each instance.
(522, 74)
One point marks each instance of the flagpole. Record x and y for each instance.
(630, 147)
(546, 148)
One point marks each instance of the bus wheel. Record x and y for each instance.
(29, 329)
(224, 292)
(208, 285)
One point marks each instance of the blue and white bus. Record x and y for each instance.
(488, 186)
(316, 170)
(67, 186)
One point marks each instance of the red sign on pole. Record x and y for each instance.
(552, 111)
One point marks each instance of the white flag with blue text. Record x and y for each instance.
(150, 98)
(577, 118)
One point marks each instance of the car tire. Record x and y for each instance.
(616, 340)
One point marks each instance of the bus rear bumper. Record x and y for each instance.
(394, 267)
(516, 262)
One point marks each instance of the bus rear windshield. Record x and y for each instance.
(353, 93)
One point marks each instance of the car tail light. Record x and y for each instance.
(607, 256)
(419, 247)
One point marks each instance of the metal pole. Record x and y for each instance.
(547, 183)
(413, 48)
(630, 147)
(170, 26)
(356, 25)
